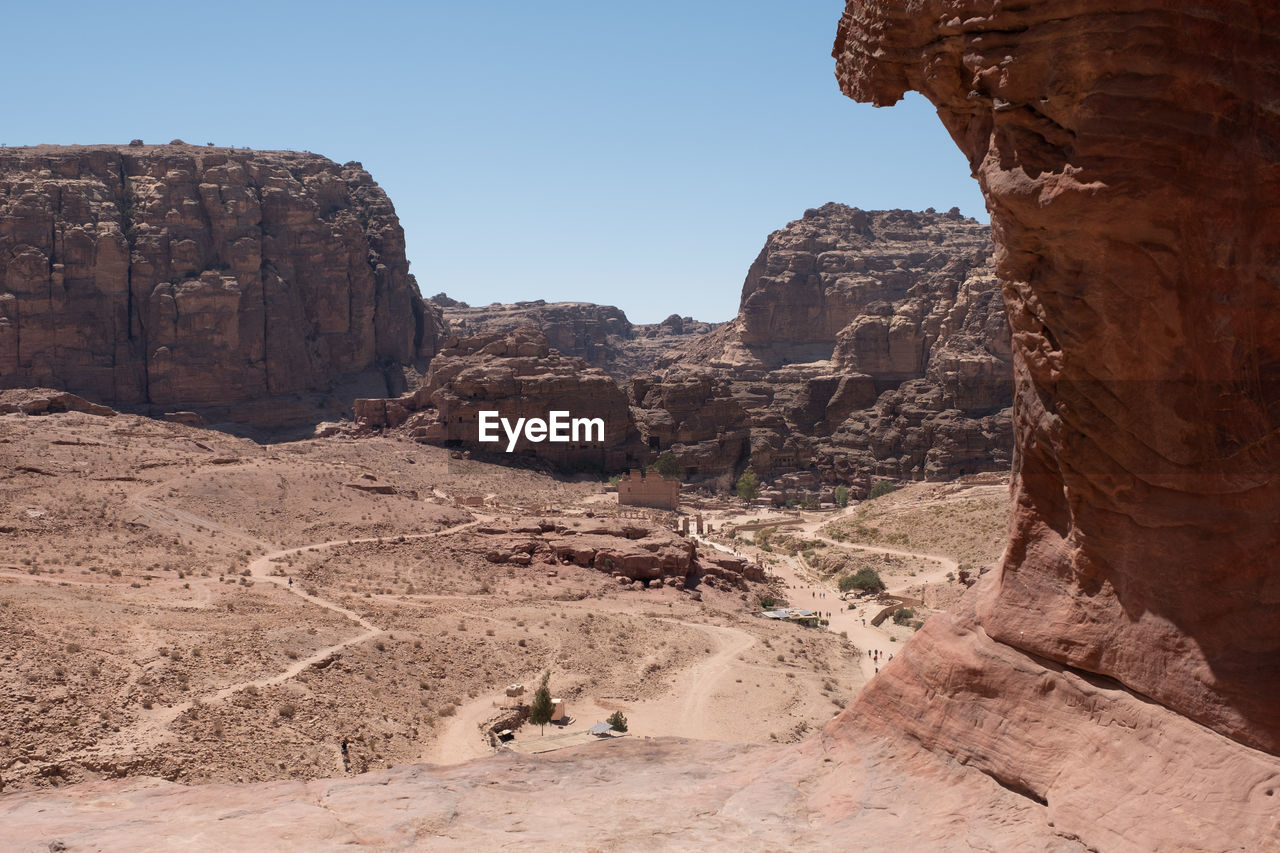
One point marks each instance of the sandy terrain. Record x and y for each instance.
(175, 602)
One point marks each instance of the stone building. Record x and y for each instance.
(652, 490)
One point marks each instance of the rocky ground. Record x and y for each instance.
(184, 604)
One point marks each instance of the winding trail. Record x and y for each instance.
(810, 593)
(153, 724)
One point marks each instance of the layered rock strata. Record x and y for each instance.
(868, 344)
(517, 376)
(600, 335)
(1131, 163)
(179, 276)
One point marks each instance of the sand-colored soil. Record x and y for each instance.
(179, 603)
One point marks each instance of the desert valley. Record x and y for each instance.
(954, 537)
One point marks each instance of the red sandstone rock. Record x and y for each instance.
(869, 344)
(191, 277)
(1129, 160)
(517, 375)
(40, 401)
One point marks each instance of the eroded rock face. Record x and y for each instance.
(1129, 160)
(868, 344)
(593, 333)
(180, 276)
(519, 376)
(629, 550)
(600, 335)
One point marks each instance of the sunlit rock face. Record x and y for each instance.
(184, 276)
(1130, 156)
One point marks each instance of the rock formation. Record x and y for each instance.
(207, 278)
(631, 551)
(517, 375)
(1114, 685)
(600, 335)
(1129, 160)
(42, 401)
(869, 344)
(593, 333)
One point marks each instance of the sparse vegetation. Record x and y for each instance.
(866, 579)
(668, 466)
(748, 486)
(880, 489)
(617, 721)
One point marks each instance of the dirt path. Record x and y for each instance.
(810, 593)
(688, 709)
(689, 713)
(152, 727)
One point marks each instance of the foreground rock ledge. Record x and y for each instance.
(1130, 156)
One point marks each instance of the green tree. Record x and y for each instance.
(617, 721)
(748, 486)
(842, 496)
(668, 466)
(866, 579)
(541, 708)
(881, 489)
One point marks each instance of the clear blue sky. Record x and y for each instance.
(635, 154)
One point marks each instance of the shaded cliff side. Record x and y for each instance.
(1130, 157)
(868, 345)
(179, 276)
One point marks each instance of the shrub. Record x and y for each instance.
(748, 486)
(903, 615)
(881, 489)
(668, 466)
(866, 579)
(617, 721)
(287, 710)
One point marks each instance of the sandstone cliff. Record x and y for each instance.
(869, 344)
(192, 277)
(600, 335)
(1129, 159)
(519, 376)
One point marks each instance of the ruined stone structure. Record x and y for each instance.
(638, 488)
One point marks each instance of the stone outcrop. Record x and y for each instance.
(204, 278)
(869, 344)
(517, 375)
(1130, 164)
(600, 335)
(43, 401)
(593, 333)
(629, 550)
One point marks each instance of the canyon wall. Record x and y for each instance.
(1130, 157)
(182, 276)
(519, 376)
(868, 345)
(600, 335)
